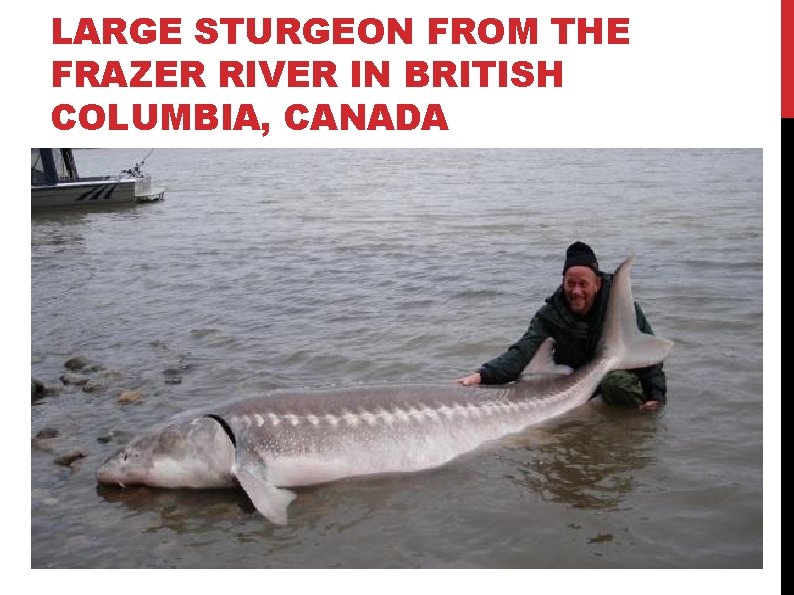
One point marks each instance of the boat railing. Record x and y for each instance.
(143, 184)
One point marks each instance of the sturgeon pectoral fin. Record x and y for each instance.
(269, 500)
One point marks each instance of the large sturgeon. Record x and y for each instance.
(300, 438)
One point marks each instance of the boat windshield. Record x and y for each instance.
(49, 166)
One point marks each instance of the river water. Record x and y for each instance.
(268, 269)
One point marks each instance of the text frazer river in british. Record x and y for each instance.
(274, 269)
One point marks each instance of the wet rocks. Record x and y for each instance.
(601, 538)
(81, 364)
(39, 390)
(91, 377)
(129, 396)
(74, 379)
(172, 376)
(45, 439)
(105, 438)
(47, 434)
(68, 460)
(110, 375)
(75, 363)
(93, 386)
(115, 436)
(79, 373)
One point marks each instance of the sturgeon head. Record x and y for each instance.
(195, 453)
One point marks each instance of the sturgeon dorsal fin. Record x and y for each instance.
(543, 361)
(269, 500)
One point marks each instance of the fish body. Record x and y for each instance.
(296, 438)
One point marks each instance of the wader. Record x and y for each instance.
(621, 389)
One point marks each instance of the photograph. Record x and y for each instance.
(397, 358)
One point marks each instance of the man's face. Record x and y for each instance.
(580, 285)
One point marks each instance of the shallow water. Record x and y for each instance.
(316, 268)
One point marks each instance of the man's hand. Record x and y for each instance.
(651, 406)
(470, 380)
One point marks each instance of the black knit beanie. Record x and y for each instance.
(580, 254)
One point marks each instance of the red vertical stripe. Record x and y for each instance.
(787, 59)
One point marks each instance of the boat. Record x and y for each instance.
(54, 182)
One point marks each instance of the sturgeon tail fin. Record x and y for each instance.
(621, 340)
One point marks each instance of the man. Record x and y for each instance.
(573, 316)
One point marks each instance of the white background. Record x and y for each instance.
(695, 74)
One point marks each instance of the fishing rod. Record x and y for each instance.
(136, 169)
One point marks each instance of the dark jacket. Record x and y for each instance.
(575, 342)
